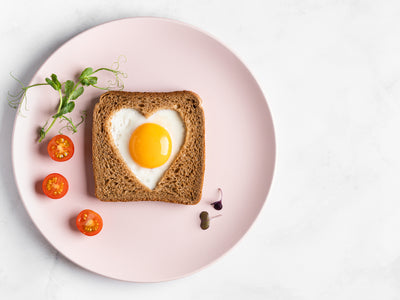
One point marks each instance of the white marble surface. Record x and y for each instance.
(330, 229)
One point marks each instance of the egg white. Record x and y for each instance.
(124, 122)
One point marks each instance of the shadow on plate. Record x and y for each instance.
(88, 146)
(72, 222)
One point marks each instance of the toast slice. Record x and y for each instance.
(182, 182)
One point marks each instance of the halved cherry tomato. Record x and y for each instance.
(89, 222)
(55, 186)
(60, 148)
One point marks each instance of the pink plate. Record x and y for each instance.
(150, 241)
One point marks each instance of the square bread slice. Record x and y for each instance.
(182, 182)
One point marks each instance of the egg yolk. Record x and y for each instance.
(150, 145)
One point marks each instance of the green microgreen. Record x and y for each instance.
(68, 92)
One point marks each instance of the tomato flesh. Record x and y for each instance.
(55, 186)
(89, 222)
(60, 148)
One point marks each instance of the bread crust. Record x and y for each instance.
(182, 182)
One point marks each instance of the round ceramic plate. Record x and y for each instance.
(150, 241)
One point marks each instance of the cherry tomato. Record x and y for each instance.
(55, 186)
(60, 148)
(89, 222)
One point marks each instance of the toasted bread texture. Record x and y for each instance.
(182, 182)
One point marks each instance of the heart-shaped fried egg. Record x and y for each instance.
(148, 145)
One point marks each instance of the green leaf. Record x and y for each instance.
(92, 80)
(69, 86)
(67, 107)
(62, 111)
(70, 106)
(77, 93)
(56, 82)
(50, 82)
(85, 82)
(86, 73)
(42, 133)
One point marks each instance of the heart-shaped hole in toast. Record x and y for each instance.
(124, 122)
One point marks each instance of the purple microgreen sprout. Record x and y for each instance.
(218, 204)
